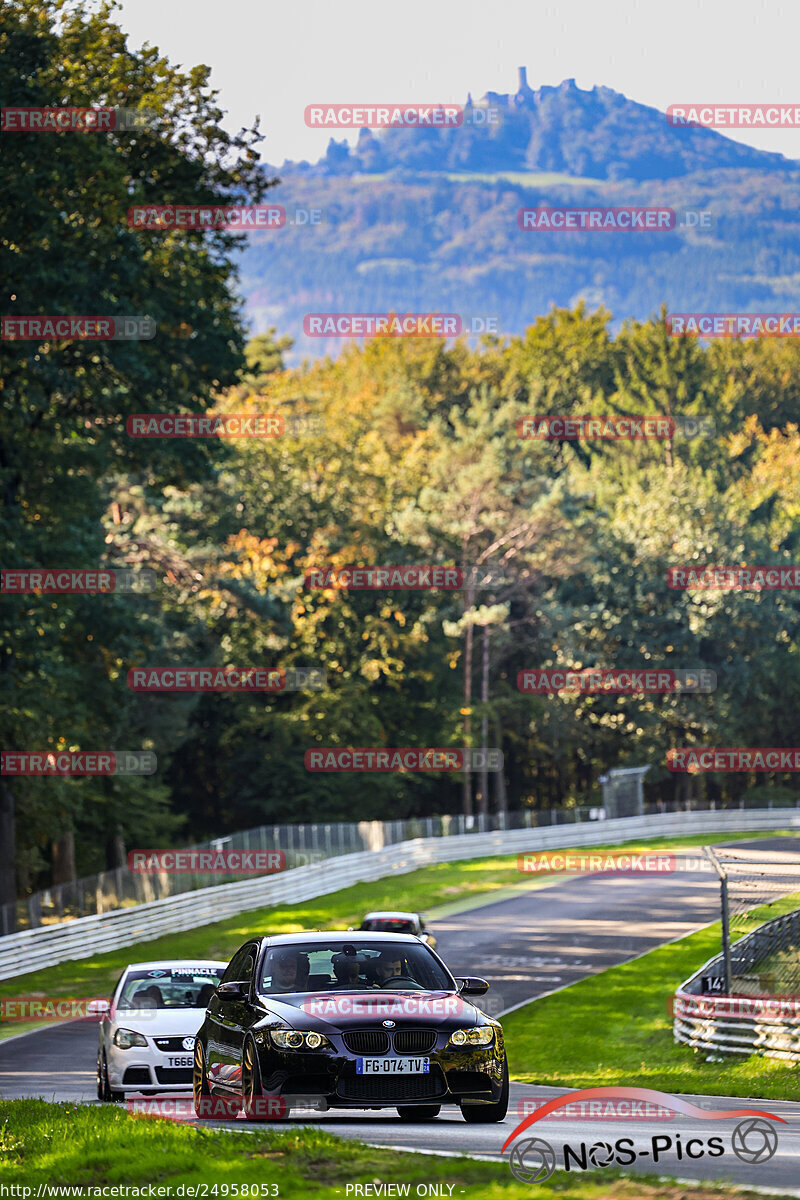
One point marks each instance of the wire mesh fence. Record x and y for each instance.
(760, 902)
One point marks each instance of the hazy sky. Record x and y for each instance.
(274, 59)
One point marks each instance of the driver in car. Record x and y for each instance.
(289, 969)
(388, 964)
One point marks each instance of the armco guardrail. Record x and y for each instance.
(740, 1024)
(87, 936)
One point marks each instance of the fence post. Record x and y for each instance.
(726, 932)
(726, 935)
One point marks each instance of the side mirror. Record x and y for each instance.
(472, 986)
(234, 990)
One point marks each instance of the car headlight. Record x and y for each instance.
(125, 1038)
(295, 1039)
(480, 1035)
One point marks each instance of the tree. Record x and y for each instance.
(66, 244)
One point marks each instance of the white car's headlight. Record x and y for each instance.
(480, 1035)
(125, 1038)
(295, 1039)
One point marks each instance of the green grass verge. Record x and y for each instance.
(616, 1028)
(63, 1144)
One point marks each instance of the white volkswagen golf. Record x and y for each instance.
(147, 1030)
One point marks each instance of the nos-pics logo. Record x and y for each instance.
(533, 1159)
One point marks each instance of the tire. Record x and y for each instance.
(207, 1106)
(485, 1114)
(419, 1112)
(105, 1092)
(253, 1098)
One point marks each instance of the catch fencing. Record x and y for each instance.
(755, 887)
(88, 936)
(746, 1000)
(742, 1022)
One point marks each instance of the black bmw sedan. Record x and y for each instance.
(347, 1020)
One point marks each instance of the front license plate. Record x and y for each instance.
(181, 1062)
(393, 1066)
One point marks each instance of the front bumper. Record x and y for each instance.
(457, 1074)
(146, 1070)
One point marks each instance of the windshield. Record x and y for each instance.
(170, 987)
(352, 966)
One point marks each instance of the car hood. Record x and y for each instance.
(160, 1022)
(342, 1009)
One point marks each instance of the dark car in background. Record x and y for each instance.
(347, 1020)
(398, 922)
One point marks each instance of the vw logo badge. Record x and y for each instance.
(388, 1024)
(188, 1043)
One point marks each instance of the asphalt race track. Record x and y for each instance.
(525, 946)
